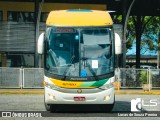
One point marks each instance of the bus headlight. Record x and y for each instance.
(52, 97)
(51, 85)
(107, 86)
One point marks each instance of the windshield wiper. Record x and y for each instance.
(90, 68)
(92, 71)
(67, 69)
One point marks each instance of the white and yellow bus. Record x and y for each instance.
(79, 49)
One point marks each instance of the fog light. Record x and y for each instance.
(52, 97)
(107, 97)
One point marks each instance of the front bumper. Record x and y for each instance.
(56, 97)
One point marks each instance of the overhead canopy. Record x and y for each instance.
(141, 7)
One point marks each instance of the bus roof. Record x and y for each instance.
(79, 18)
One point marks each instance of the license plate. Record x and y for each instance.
(79, 98)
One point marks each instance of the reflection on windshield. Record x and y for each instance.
(89, 54)
(96, 47)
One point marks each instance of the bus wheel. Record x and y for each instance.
(107, 107)
(48, 107)
(53, 108)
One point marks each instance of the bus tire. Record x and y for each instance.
(53, 108)
(50, 108)
(46, 105)
(107, 107)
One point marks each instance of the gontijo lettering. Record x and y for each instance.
(69, 84)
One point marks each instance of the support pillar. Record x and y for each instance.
(124, 14)
(36, 32)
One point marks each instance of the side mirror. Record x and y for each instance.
(40, 44)
(118, 44)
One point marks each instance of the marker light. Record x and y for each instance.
(51, 97)
(44, 83)
(107, 97)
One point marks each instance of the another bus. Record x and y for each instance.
(79, 49)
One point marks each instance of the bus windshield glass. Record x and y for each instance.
(80, 52)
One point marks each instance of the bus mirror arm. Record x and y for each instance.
(40, 45)
(118, 44)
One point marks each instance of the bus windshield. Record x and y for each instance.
(80, 52)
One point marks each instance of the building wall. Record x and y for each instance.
(20, 13)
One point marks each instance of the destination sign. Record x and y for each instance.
(64, 30)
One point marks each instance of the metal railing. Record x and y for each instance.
(10, 77)
(33, 77)
(133, 78)
(136, 78)
(21, 77)
(154, 77)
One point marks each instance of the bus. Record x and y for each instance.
(79, 48)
